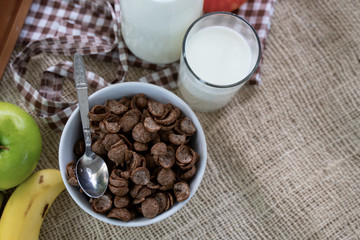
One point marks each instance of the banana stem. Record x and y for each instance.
(3, 147)
(2, 200)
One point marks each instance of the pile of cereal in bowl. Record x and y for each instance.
(146, 147)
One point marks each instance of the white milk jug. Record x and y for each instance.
(153, 30)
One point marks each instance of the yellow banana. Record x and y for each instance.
(27, 206)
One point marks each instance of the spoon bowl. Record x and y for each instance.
(91, 170)
(91, 175)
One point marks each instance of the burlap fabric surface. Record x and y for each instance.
(283, 157)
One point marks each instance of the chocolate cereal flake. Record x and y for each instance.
(181, 191)
(187, 174)
(98, 147)
(120, 213)
(159, 149)
(135, 190)
(162, 200)
(140, 134)
(183, 154)
(79, 148)
(150, 208)
(121, 201)
(151, 125)
(167, 160)
(140, 176)
(112, 123)
(156, 109)
(71, 173)
(116, 107)
(117, 154)
(144, 192)
(102, 204)
(177, 139)
(98, 113)
(166, 176)
(109, 140)
(187, 126)
(140, 147)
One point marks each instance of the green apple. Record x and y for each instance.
(20, 145)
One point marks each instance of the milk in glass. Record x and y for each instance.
(217, 58)
(219, 55)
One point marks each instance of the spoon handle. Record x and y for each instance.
(82, 93)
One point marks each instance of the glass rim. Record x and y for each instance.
(247, 77)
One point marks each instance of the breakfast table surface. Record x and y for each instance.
(283, 156)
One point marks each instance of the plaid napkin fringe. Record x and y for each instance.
(60, 28)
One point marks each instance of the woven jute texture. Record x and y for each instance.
(283, 157)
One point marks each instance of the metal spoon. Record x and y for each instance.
(91, 170)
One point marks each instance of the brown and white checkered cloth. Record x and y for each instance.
(93, 28)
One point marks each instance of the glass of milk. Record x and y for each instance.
(153, 30)
(220, 52)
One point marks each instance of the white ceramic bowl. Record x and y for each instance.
(73, 130)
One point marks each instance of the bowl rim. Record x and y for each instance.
(172, 97)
